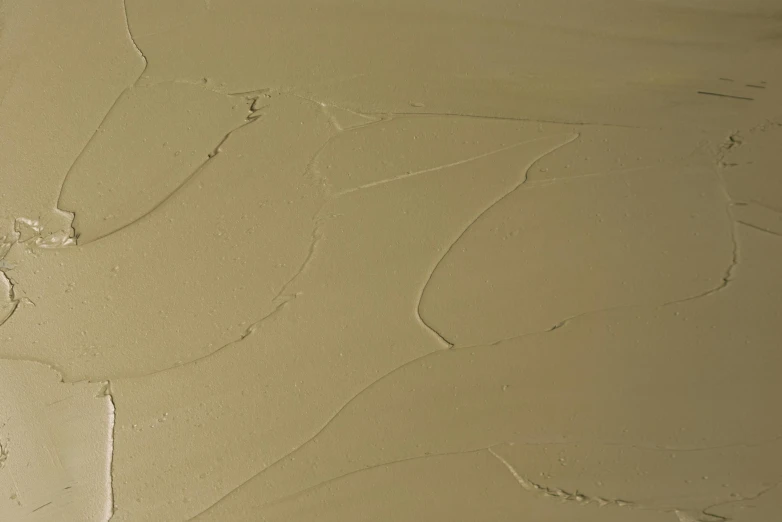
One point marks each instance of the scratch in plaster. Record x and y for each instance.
(756, 227)
(685, 516)
(41, 507)
(523, 179)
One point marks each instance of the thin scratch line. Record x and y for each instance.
(721, 95)
(761, 229)
(41, 507)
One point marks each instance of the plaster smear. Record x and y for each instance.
(55, 446)
(394, 261)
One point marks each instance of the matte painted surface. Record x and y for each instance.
(391, 260)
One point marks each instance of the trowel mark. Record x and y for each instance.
(448, 250)
(133, 40)
(557, 493)
(135, 111)
(61, 433)
(442, 338)
(352, 399)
